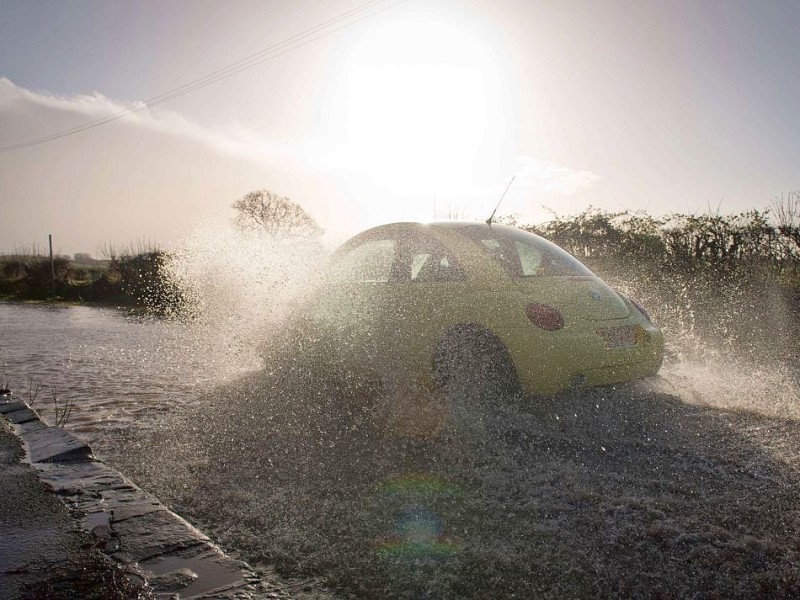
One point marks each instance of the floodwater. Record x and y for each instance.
(116, 369)
(119, 370)
(686, 485)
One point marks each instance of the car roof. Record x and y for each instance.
(450, 225)
(461, 229)
(473, 225)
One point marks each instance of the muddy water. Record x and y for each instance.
(116, 369)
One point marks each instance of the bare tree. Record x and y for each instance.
(274, 214)
(787, 214)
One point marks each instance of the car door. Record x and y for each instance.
(350, 310)
(426, 280)
(382, 308)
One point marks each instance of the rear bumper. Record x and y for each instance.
(584, 360)
(615, 374)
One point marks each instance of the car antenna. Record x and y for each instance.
(489, 220)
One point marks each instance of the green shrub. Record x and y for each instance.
(140, 280)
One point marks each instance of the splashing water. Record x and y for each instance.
(622, 487)
(722, 349)
(239, 287)
(736, 384)
(730, 344)
(119, 370)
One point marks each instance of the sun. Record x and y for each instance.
(420, 106)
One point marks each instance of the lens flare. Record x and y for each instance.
(419, 532)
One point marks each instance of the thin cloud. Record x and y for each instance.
(17, 100)
(539, 175)
(14, 97)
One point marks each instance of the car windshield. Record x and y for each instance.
(524, 254)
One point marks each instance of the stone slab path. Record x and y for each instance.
(158, 549)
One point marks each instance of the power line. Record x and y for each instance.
(290, 44)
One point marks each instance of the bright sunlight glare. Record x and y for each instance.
(421, 110)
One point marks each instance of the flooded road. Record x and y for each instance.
(117, 369)
(682, 486)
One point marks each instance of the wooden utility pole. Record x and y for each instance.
(52, 267)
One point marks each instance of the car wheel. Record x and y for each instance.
(473, 364)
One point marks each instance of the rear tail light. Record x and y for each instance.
(641, 309)
(544, 317)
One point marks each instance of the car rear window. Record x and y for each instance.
(524, 254)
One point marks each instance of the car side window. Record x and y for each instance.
(524, 254)
(418, 261)
(370, 262)
(504, 252)
(530, 258)
(427, 261)
(431, 268)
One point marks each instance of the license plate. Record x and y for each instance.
(618, 338)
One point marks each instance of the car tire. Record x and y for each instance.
(473, 364)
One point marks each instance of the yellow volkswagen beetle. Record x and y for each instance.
(414, 307)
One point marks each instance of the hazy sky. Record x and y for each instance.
(408, 110)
